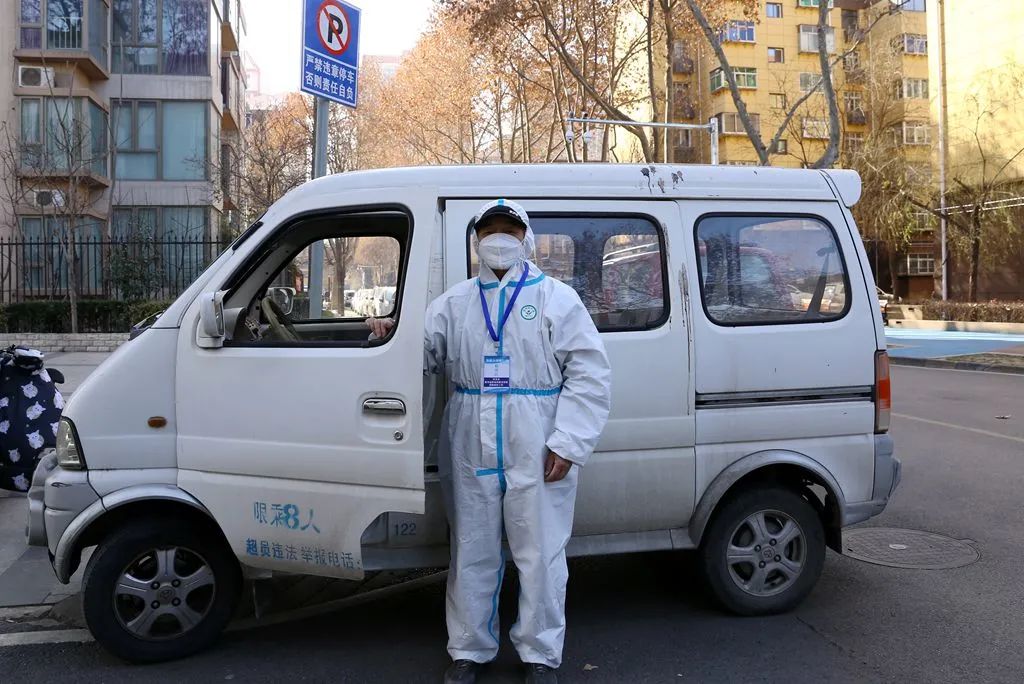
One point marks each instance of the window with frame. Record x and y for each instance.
(809, 81)
(773, 10)
(813, 3)
(767, 270)
(911, 89)
(778, 100)
(814, 129)
(739, 32)
(729, 123)
(776, 55)
(162, 36)
(809, 38)
(910, 5)
(914, 44)
(63, 134)
(161, 139)
(615, 263)
(44, 262)
(854, 101)
(362, 262)
(781, 146)
(31, 16)
(916, 133)
(851, 61)
(684, 138)
(746, 77)
(853, 142)
(919, 263)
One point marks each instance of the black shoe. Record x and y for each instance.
(461, 672)
(540, 674)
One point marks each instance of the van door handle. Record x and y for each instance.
(392, 406)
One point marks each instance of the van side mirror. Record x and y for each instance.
(211, 320)
(284, 297)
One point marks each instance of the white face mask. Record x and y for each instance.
(500, 251)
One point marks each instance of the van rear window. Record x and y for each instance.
(769, 270)
(615, 264)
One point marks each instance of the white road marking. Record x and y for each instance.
(954, 426)
(895, 362)
(54, 636)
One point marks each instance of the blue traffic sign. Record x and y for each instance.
(330, 50)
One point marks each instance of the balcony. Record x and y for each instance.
(856, 117)
(683, 109)
(232, 89)
(856, 76)
(681, 64)
(67, 34)
(232, 25)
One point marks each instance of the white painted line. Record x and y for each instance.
(978, 431)
(56, 636)
(952, 370)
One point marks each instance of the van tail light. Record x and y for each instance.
(883, 393)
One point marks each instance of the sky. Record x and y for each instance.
(389, 27)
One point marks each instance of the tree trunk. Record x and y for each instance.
(828, 158)
(72, 279)
(652, 83)
(670, 39)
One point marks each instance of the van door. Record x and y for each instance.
(300, 431)
(617, 256)
(784, 337)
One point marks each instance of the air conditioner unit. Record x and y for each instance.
(49, 198)
(36, 76)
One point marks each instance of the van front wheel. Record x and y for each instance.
(763, 551)
(159, 589)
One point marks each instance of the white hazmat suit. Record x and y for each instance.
(493, 475)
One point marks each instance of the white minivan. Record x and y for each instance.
(750, 405)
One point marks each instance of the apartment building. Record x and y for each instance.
(977, 76)
(775, 62)
(121, 118)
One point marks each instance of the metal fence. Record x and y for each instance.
(104, 269)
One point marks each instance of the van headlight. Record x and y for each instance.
(69, 452)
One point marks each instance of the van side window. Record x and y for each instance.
(765, 270)
(615, 263)
(358, 263)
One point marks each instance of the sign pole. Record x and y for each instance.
(316, 250)
(330, 73)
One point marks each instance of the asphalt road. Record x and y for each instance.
(642, 618)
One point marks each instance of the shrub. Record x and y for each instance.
(992, 312)
(94, 316)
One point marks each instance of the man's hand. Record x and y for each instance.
(380, 327)
(556, 467)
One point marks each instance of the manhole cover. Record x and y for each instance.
(912, 549)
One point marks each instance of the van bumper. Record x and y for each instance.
(888, 471)
(56, 498)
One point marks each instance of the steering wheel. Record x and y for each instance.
(280, 326)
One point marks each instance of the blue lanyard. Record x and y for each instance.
(511, 303)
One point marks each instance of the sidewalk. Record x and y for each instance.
(26, 577)
(960, 350)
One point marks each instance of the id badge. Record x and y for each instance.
(497, 374)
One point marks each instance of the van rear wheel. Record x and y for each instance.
(763, 551)
(159, 589)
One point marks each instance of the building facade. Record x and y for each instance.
(978, 107)
(122, 119)
(774, 57)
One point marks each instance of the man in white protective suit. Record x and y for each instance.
(532, 389)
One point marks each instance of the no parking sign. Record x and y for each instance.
(330, 50)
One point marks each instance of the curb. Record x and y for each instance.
(955, 365)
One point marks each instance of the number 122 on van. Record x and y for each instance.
(282, 515)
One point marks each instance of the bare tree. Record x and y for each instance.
(825, 84)
(979, 207)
